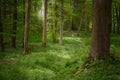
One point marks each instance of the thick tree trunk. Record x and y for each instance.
(27, 23)
(61, 24)
(102, 21)
(44, 24)
(14, 28)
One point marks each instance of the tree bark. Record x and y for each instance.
(61, 24)
(102, 20)
(14, 27)
(114, 21)
(44, 24)
(1, 29)
(54, 24)
(81, 18)
(27, 23)
(86, 24)
(23, 18)
(117, 17)
(69, 22)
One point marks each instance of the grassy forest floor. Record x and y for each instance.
(60, 62)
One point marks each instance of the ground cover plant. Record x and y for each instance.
(59, 62)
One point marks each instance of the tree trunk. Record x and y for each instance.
(1, 29)
(86, 24)
(114, 21)
(27, 23)
(69, 22)
(102, 20)
(44, 24)
(61, 24)
(117, 17)
(54, 24)
(14, 28)
(81, 18)
(23, 18)
(35, 5)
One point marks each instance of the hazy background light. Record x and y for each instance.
(41, 11)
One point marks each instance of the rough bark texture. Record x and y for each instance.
(14, 27)
(102, 21)
(44, 24)
(61, 24)
(27, 22)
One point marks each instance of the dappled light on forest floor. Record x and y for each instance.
(58, 62)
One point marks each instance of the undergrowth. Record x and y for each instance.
(59, 62)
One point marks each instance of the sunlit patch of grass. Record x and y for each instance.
(73, 39)
(42, 73)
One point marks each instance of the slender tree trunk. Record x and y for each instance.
(61, 24)
(27, 23)
(4, 9)
(102, 20)
(69, 24)
(35, 6)
(81, 18)
(14, 28)
(79, 27)
(23, 5)
(54, 24)
(86, 24)
(113, 16)
(70, 20)
(1, 29)
(44, 24)
(117, 17)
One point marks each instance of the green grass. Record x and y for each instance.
(59, 62)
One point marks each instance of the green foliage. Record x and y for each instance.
(51, 63)
(54, 62)
(59, 63)
(101, 69)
